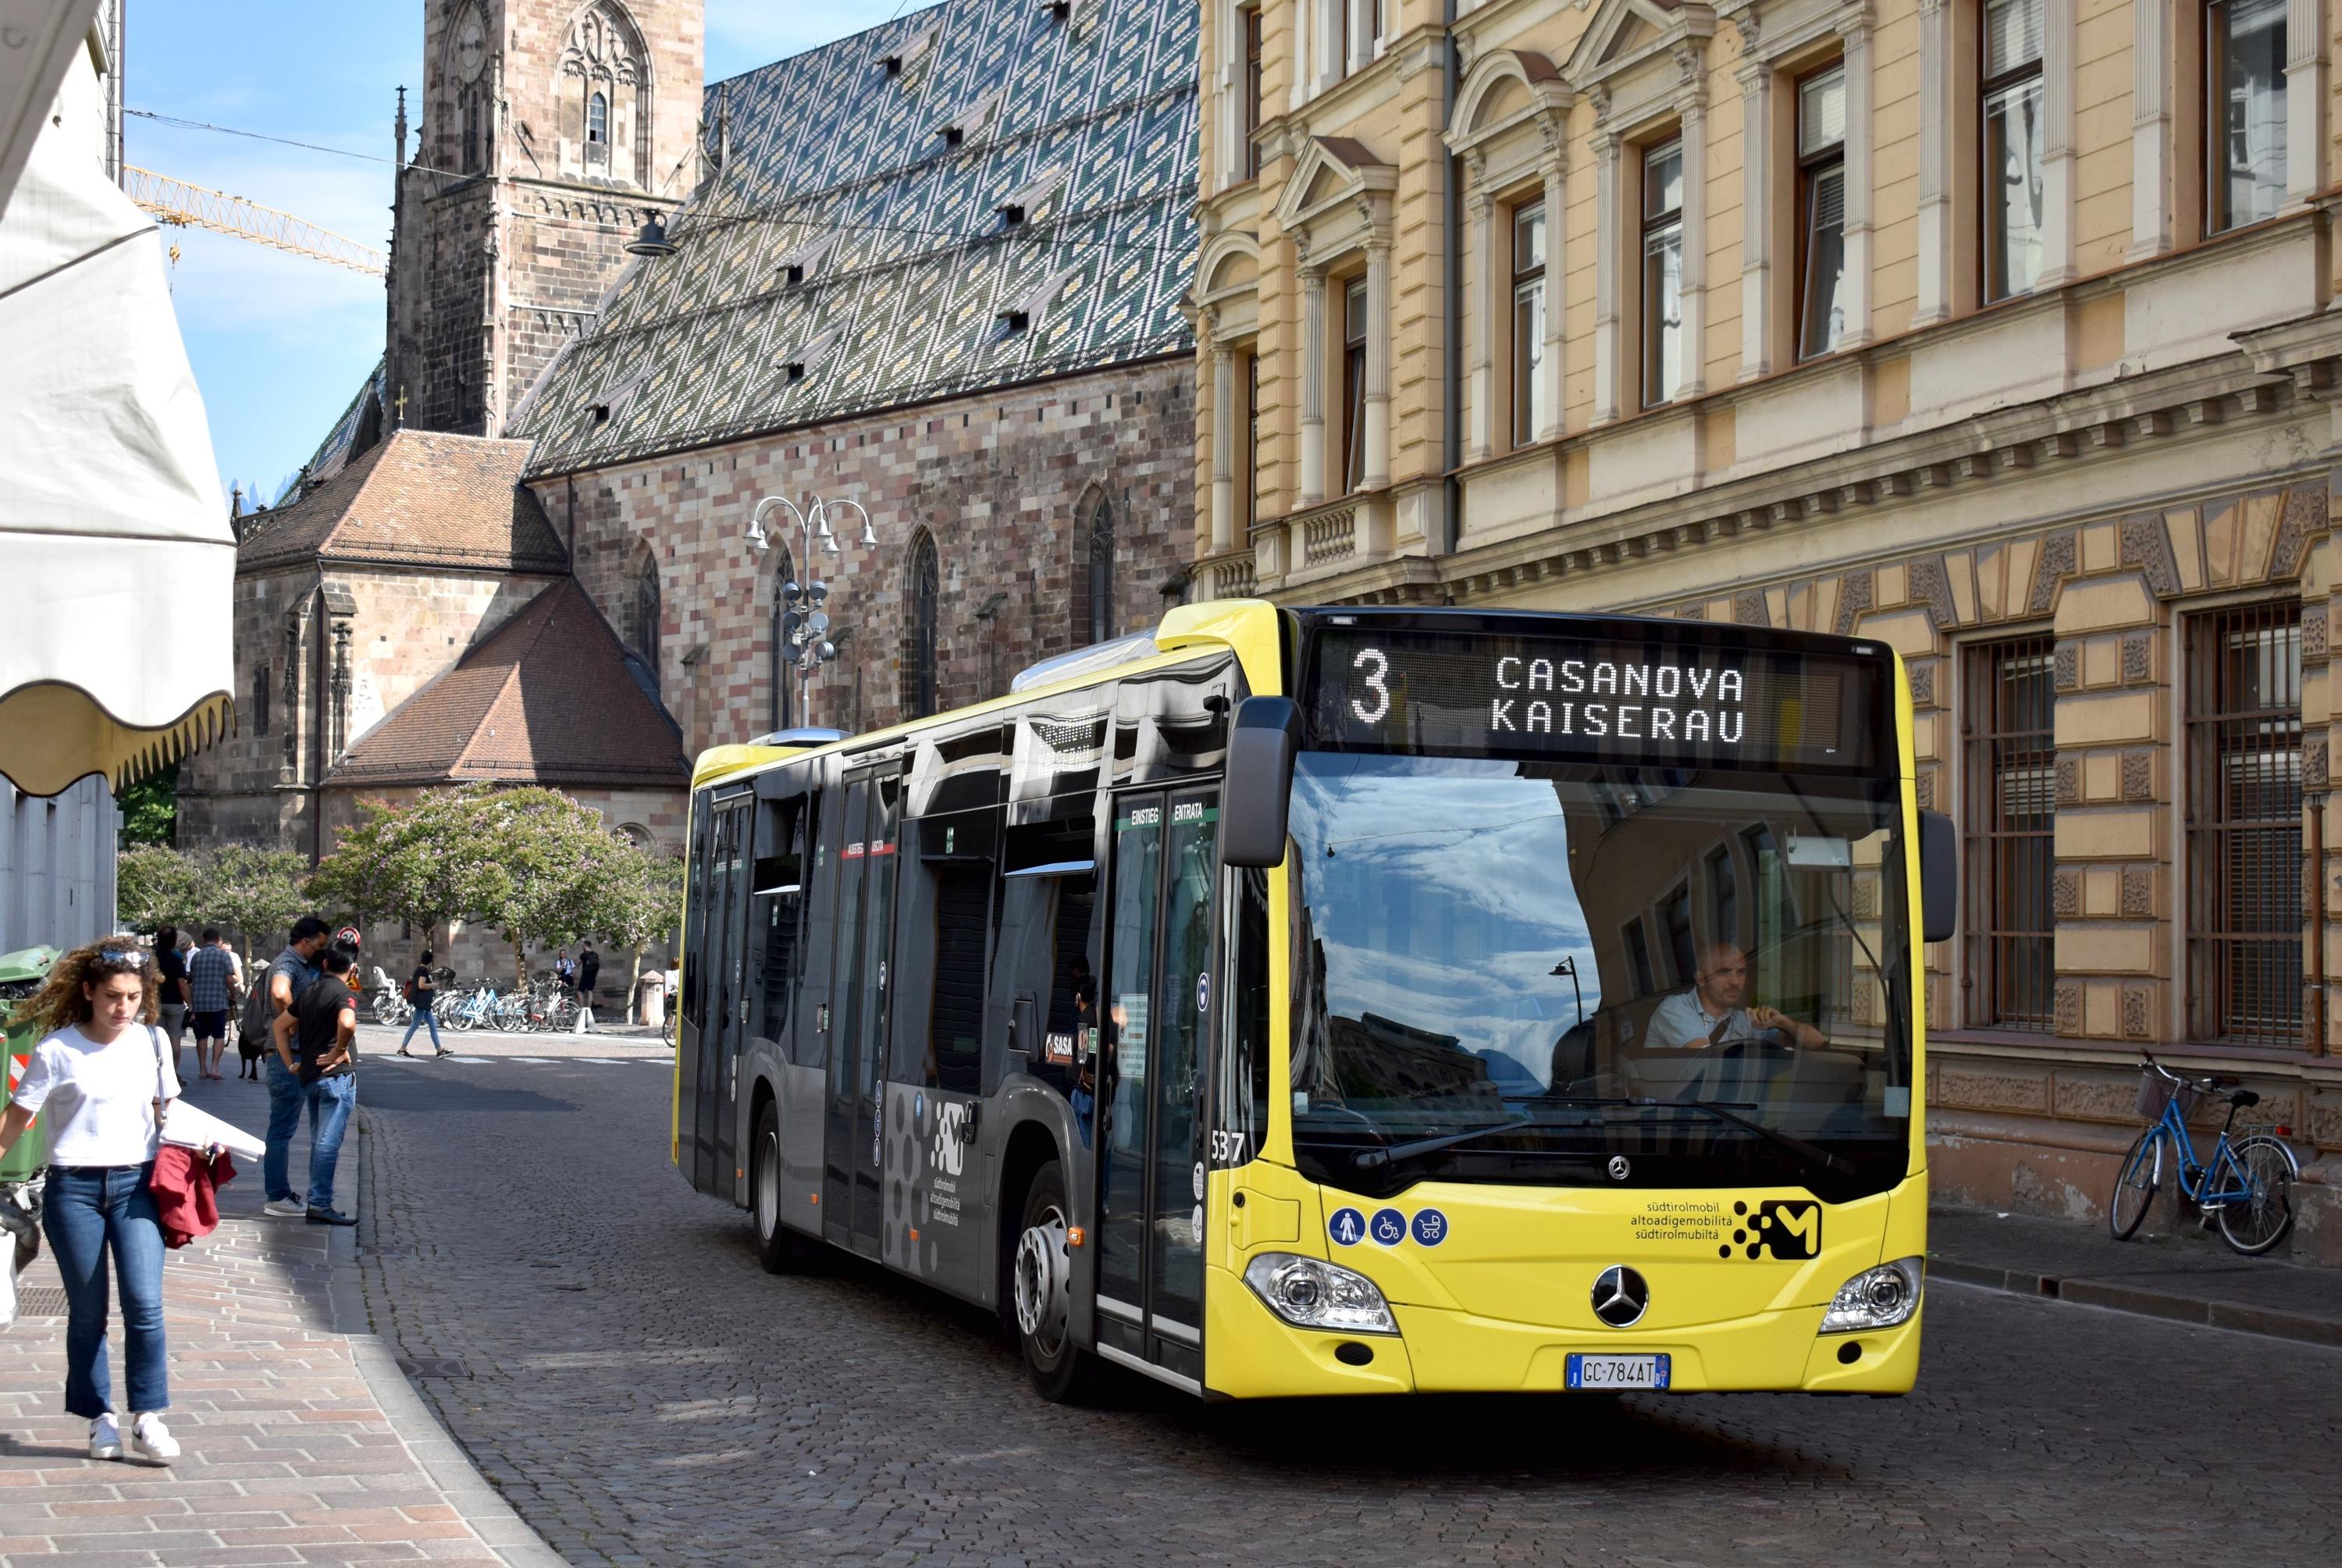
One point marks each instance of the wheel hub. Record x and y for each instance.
(1040, 1275)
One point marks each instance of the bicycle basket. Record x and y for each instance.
(2155, 1092)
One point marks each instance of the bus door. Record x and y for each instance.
(725, 991)
(1156, 1006)
(862, 968)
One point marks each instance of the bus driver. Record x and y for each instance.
(1710, 1013)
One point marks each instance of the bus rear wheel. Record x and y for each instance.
(1040, 1283)
(780, 1249)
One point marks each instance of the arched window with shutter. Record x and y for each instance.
(922, 610)
(1100, 573)
(782, 704)
(598, 120)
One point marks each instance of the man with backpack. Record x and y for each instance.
(296, 970)
(589, 970)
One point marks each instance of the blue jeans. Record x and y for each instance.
(331, 1100)
(422, 1016)
(85, 1212)
(283, 1119)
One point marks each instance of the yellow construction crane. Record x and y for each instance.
(177, 202)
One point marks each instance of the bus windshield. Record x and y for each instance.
(1515, 971)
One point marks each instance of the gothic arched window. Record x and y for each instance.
(922, 607)
(646, 615)
(470, 116)
(782, 712)
(597, 129)
(1101, 626)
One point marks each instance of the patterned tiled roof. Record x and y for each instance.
(349, 435)
(414, 498)
(550, 697)
(835, 161)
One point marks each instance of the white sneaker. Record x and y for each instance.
(285, 1208)
(153, 1440)
(105, 1439)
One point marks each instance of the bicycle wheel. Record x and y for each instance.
(2253, 1226)
(2135, 1189)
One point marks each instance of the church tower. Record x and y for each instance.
(551, 131)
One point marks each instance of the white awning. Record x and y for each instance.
(117, 562)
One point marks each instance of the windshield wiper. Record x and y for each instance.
(1369, 1159)
(1811, 1153)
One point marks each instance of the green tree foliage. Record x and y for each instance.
(529, 862)
(254, 893)
(150, 808)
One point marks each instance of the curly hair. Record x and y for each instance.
(60, 1004)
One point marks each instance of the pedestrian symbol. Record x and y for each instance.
(1389, 1227)
(1431, 1227)
(1349, 1227)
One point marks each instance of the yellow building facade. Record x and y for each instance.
(1997, 330)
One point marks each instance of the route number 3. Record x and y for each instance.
(1376, 665)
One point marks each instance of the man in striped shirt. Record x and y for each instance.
(211, 974)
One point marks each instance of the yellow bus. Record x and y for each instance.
(1353, 1000)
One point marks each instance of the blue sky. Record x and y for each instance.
(279, 341)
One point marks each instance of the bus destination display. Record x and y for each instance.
(1649, 703)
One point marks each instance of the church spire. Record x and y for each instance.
(398, 158)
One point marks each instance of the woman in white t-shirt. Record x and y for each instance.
(103, 1076)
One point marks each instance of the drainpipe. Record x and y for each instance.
(1451, 358)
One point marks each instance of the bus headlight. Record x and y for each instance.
(1312, 1295)
(1874, 1298)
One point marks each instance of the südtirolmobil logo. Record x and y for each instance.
(1784, 1230)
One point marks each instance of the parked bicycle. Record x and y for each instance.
(2246, 1186)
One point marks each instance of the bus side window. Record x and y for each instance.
(695, 933)
(779, 892)
(808, 1046)
(959, 855)
(1241, 1108)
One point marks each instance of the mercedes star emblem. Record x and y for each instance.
(1620, 1296)
(1619, 1167)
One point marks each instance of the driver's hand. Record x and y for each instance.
(1768, 1018)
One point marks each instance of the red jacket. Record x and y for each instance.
(186, 1186)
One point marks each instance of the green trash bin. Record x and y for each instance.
(21, 975)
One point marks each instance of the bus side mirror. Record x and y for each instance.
(1939, 876)
(1262, 745)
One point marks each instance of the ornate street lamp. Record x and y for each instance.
(805, 641)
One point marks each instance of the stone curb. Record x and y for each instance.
(2277, 1324)
(436, 1453)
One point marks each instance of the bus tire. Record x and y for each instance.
(1040, 1279)
(780, 1249)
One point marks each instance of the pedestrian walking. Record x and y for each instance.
(102, 1074)
(210, 971)
(293, 971)
(317, 1040)
(423, 990)
(172, 964)
(589, 970)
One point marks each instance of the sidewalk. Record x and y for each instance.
(2178, 1277)
(303, 1441)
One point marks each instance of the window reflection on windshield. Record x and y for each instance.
(1483, 941)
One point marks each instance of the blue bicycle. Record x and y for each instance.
(2246, 1185)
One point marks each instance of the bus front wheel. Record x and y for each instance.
(1041, 1281)
(780, 1249)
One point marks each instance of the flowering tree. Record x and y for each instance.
(254, 893)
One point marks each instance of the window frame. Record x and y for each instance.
(2214, 125)
(922, 685)
(1991, 249)
(2010, 973)
(1532, 304)
(597, 136)
(1354, 384)
(1660, 225)
(1811, 168)
(2212, 839)
(1250, 17)
(261, 696)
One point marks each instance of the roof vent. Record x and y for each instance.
(1013, 322)
(803, 735)
(1058, 10)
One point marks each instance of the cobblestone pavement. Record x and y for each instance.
(602, 1340)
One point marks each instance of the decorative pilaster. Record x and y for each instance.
(1694, 246)
(2305, 47)
(2057, 144)
(1301, 78)
(1557, 195)
(1935, 301)
(1223, 444)
(1478, 210)
(1377, 467)
(2151, 186)
(1313, 384)
(1607, 262)
(1757, 328)
(1855, 33)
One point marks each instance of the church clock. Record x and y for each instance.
(471, 46)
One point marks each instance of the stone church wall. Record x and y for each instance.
(1005, 482)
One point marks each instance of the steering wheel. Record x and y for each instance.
(1763, 1050)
